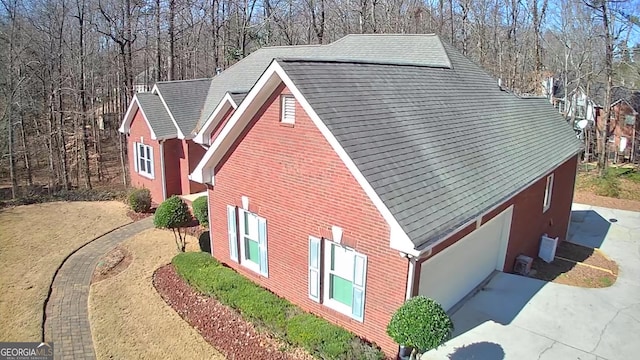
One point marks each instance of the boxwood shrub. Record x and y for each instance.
(201, 210)
(140, 200)
(271, 312)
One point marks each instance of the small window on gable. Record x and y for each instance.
(547, 194)
(287, 109)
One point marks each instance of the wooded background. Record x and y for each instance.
(70, 67)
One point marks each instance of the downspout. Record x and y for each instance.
(411, 274)
(162, 173)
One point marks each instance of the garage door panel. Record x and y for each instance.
(453, 273)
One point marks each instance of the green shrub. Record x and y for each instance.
(201, 210)
(140, 200)
(420, 323)
(318, 336)
(174, 214)
(270, 312)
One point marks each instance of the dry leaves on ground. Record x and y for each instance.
(34, 240)
(129, 319)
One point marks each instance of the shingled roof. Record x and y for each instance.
(156, 114)
(421, 49)
(439, 146)
(185, 100)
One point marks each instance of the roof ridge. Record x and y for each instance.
(179, 81)
(363, 61)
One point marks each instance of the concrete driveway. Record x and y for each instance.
(514, 317)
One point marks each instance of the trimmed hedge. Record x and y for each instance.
(140, 200)
(420, 323)
(260, 306)
(201, 210)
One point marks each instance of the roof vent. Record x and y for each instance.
(218, 71)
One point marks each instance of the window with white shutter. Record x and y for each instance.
(143, 159)
(314, 268)
(253, 242)
(232, 231)
(345, 274)
(288, 109)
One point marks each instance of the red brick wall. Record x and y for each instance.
(140, 133)
(173, 151)
(297, 182)
(195, 153)
(529, 222)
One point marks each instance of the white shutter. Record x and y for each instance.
(359, 282)
(262, 246)
(150, 164)
(232, 232)
(314, 269)
(288, 109)
(135, 156)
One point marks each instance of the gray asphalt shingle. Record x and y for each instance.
(157, 115)
(185, 100)
(440, 146)
(424, 49)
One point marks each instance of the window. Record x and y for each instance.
(251, 231)
(287, 109)
(143, 159)
(547, 194)
(343, 279)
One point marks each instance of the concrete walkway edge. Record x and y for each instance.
(66, 315)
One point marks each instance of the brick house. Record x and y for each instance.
(171, 127)
(349, 185)
(624, 121)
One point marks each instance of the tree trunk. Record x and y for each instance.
(12, 91)
(83, 99)
(25, 147)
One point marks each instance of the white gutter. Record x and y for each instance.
(162, 175)
(411, 275)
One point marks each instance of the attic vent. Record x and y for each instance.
(288, 109)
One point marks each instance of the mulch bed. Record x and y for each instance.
(135, 216)
(113, 263)
(219, 325)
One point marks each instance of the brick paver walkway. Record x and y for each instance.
(67, 322)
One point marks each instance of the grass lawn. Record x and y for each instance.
(620, 189)
(34, 239)
(129, 319)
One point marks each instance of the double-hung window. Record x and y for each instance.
(249, 235)
(342, 280)
(143, 159)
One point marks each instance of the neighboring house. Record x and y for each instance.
(580, 104)
(349, 184)
(623, 143)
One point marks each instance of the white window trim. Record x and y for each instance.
(146, 173)
(326, 300)
(283, 119)
(249, 264)
(548, 193)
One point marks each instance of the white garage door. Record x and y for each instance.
(454, 272)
